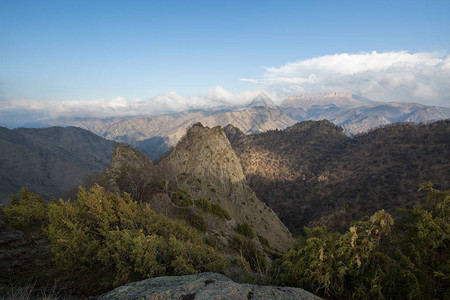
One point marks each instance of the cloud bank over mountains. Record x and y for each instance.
(388, 76)
(33, 110)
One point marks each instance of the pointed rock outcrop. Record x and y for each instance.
(209, 168)
(262, 100)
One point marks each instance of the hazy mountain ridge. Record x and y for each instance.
(311, 173)
(308, 101)
(157, 134)
(51, 160)
(357, 114)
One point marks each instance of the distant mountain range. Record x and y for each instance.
(156, 135)
(49, 161)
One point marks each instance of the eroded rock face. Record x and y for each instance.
(203, 286)
(210, 169)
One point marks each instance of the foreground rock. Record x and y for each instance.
(202, 286)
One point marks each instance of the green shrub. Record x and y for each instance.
(220, 211)
(182, 198)
(27, 210)
(214, 208)
(377, 259)
(345, 265)
(198, 222)
(264, 241)
(114, 240)
(247, 249)
(203, 204)
(195, 220)
(246, 230)
(422, 235)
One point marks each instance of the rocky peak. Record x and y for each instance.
(127, 162)
(124, 155)
(207, 152)
(210, 169)
(262, 100)
(233, 134)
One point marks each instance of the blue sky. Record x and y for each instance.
(86, 50)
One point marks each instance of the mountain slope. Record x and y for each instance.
(202, 166)
(49, 161)
(311, 173)
(210, 169)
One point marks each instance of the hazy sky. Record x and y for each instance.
(123, 52)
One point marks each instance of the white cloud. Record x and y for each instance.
(390, 76)
(249, 80)
(32, 110)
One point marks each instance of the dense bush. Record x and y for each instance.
(220, 211)
(264, 241)
(247, 249)
(182, 198)
(195, 220)
(27, 210)
(117, 240)
(214, 208)
(376, 258)
(198, 222)
(246, 230)
(203, 204)
(422, 238)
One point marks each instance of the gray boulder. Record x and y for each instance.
(203, 286)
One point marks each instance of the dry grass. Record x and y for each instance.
(32, 292)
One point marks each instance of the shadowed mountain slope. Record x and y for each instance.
(311, 173)
(49, 161)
